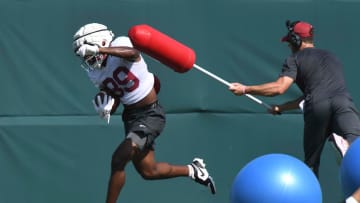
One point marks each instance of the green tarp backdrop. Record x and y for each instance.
(54, 147)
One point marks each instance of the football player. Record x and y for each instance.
(122, 76)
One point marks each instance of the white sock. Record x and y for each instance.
(351, 200)
(191, 171)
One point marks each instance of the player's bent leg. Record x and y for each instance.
(146, 165)
(144, 159)
(199, 173)
(149, 169)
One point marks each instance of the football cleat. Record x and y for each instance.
(201, 175)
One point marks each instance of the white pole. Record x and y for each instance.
(228, 84)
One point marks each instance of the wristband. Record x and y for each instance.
(351, 199)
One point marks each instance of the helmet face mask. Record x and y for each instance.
(93, 34)
(90, 63)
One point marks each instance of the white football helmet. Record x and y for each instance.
(93, 34)
(123, 41)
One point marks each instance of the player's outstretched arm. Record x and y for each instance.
(127, 53)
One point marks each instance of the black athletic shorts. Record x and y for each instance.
(143, 125)
(337, 114)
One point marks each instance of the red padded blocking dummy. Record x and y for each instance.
(158, 45)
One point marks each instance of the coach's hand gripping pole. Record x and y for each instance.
(228, 84)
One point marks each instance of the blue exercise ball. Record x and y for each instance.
(276, 178)
(350, 169)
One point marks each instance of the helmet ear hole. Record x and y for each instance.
(103, 43)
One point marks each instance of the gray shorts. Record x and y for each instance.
(143, 125)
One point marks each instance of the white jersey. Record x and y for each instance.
(131, 81)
